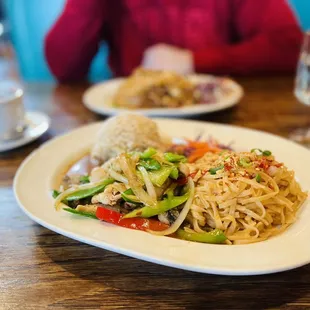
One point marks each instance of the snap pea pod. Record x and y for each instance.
(84, 193)
(161, 207)
(82, 213)
(214, 236)
(174, 158)
(148, 153)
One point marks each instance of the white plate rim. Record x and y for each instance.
(95, 242)
(166, 112)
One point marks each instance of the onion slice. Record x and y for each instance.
(117, 176)
(174, 227)
(129, 168)
(149, 185)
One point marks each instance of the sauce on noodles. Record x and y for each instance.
(249, 196)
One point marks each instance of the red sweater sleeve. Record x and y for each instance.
(73, 41)
(269, 41)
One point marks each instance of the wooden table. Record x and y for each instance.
(40, 269)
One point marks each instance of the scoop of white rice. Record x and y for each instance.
(125, 133)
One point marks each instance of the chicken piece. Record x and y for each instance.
(111, 195)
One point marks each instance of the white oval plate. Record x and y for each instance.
(34, 180)
(99, 99)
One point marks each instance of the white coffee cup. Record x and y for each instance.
(12, 113)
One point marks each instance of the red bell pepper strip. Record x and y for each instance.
(115, 217)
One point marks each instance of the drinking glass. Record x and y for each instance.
(302, 82)
(302, 88)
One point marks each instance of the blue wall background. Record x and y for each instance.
(29, 22)
(31, 19)
(301, 9)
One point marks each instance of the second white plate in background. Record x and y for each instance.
(99, 99)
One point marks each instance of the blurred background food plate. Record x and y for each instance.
(225, 92)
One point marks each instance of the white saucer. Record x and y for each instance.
(37, 124)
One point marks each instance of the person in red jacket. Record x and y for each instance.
(213, 36)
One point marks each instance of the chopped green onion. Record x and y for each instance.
(84, 179)
(148, 153)
(244, 162)
(174, 158)
(258, 178)
(267, 153)
(254, 150)
(214, 170)
(55, 193)
(150, 164)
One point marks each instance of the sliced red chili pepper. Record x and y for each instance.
(264, 164)
(115, 217)
(228, 167)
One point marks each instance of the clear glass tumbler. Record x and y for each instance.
(302, 81)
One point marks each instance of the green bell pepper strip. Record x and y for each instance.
(150, 164)
(161, 207)
(82, 213)
(174, 174)
(129, 196)
(83, 193)
(160, 176)
(174, 158)
(148, 153)
(214, 236)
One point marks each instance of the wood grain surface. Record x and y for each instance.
(40, 269)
